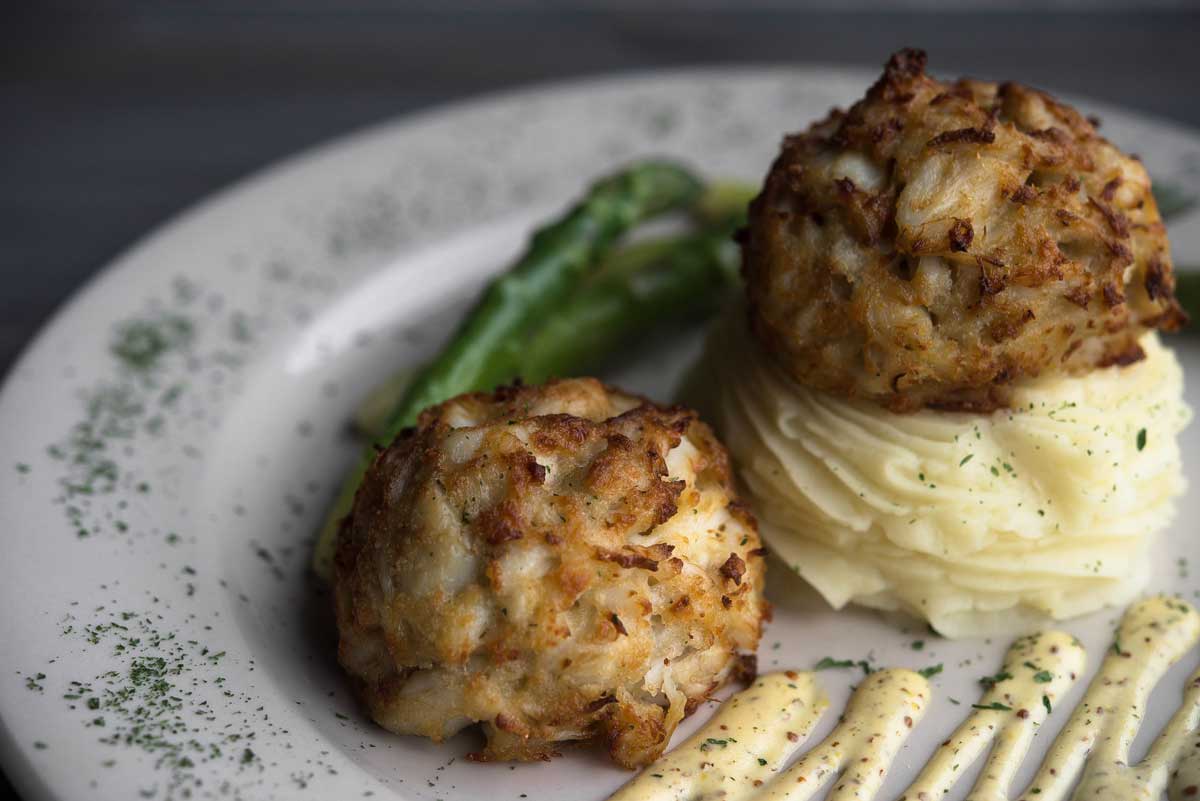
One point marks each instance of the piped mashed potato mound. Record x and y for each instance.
(976, 523)
(559, 563)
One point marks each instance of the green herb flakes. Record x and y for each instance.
(994, 706)
(829, 662)
(996, 678)
(139, 344)
(146, 699)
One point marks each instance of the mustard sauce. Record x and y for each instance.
(744, 746)
(1043, 666)
(744, 751)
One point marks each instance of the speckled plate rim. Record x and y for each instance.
(119, 288)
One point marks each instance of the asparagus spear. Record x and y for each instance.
(719, 211)
(693, 275)
(485, 349)
(643, 284)
(646, 284)
(374, 414)
(724, 204)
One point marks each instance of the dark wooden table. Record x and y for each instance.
(116, 115)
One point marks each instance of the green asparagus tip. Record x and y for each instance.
(724, 203)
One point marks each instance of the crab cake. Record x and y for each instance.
(940, 241)
(557, 563)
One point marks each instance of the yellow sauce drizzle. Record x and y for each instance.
(743, 751)
(1046, 665)
(1185, 782)
(1153, 635)
(880, 716)
(745, 744)
(740, 752)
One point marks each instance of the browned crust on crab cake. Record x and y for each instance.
(939, 241)
(558, 563)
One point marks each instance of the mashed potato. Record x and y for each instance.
(976, 523)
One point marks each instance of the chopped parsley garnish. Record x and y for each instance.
(930, 671)
(966, 459)
(1039, 675)
(141, 343)
(918, 645)
(829, 662)
(1046, 703)
(994, 706)
(146, 702)
(993, 680)
(1141, 439)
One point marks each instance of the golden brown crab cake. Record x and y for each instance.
(558, 563)
(939, 241)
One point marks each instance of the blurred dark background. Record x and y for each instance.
(116, 115)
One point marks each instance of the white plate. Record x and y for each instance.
(301, 288)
